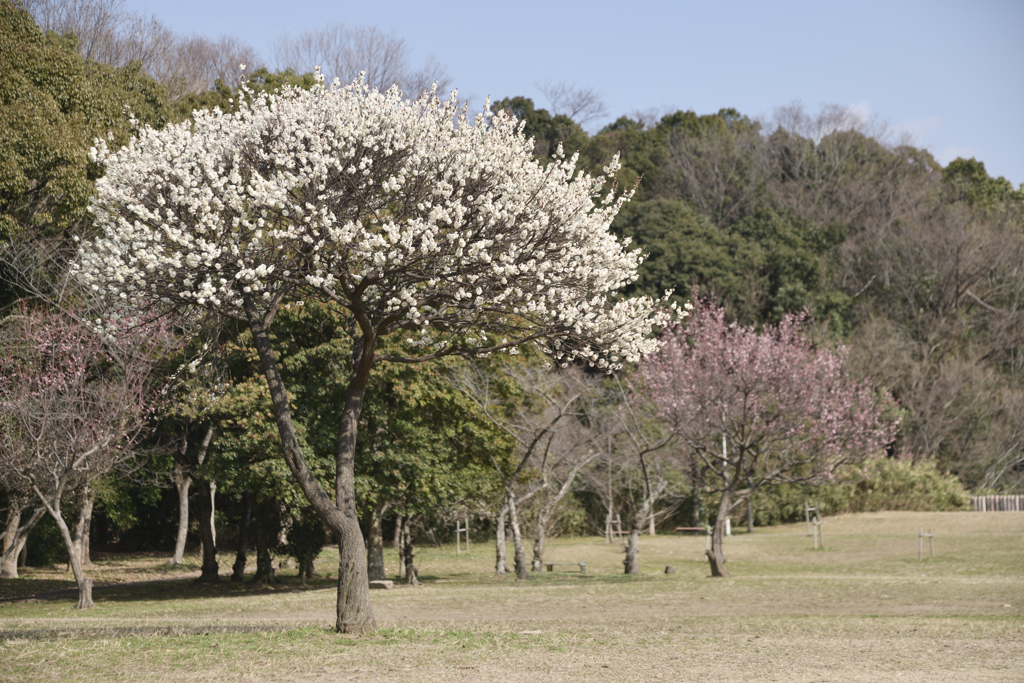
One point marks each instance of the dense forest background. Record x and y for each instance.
(916, 267)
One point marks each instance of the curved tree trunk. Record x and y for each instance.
(354, 613)
(375, 543)
(75, 560)
(15, 541)
(716, 556)
(238, 568)
(207, 531)
(500, 562)
(182, 483)
(522, 573)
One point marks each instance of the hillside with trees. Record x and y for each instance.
(909, 273)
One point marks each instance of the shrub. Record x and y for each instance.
(883, 484)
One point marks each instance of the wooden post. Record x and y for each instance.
(459, 530)
(808, 509)
(921, 535)
(818, 539)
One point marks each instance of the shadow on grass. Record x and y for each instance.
(90, 632)
(161, 589)
(535, 578)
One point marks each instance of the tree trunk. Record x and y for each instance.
(411, 575)
(354, 613)
(182, 483)
(264, 564)
(522, 573)
(399, 530)
(238, 568)
(75, 560)
(375, 544)
(396, 542)
(207, 531)
(81, 535)
(538, 542)
(500, 564)
(631, 561)
(13, 522)
(9, 564)
(697, 480)
(750, 514)
(716, 556)
(15, 542)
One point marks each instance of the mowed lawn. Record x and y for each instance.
(863, 609)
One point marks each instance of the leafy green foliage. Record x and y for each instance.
(547, 131)
(52, 104)
(883, 484)
(422, 444)
(305, 538)
(225, 97)
(969, 178)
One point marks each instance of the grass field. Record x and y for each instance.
(862, 609)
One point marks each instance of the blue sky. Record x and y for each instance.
(949, 73)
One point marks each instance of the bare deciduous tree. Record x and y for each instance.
(631, 475)
(342, 51)
(544, 424)
(579, 103)
(718, 164)
(107, 32)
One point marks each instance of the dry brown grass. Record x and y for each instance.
(862, 609)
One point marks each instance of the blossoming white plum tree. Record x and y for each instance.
(409, 217)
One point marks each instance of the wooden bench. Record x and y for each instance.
(582, 565)
(695, 529)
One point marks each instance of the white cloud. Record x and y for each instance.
(861, 111)
(921, 129)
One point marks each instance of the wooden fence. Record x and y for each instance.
(997, 503)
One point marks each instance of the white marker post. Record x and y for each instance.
(459, 530)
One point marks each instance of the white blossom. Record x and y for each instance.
(409, 215)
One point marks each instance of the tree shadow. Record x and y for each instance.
(164, 590)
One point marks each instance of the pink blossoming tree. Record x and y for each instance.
(73, 406)
(761, 408)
